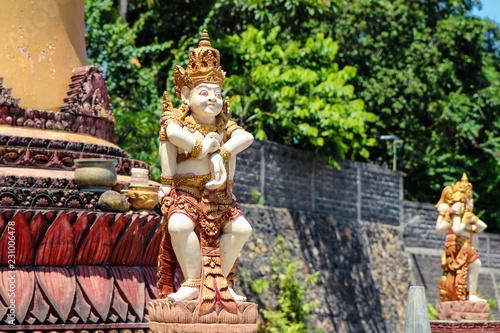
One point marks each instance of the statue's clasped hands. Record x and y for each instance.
(210, 144)
(217, 167)
(458, 208)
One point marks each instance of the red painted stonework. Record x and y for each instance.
(60, 238)
(72, 279)
(464, 327)
(97, 284)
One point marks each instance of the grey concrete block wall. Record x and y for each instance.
(300, 180)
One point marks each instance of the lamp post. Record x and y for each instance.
(395, 141)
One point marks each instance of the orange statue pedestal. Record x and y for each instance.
(182, 317)
(463, 310)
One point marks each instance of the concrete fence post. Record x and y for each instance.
(359, 189)
(417, 317)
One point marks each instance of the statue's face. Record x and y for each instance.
(205, 100)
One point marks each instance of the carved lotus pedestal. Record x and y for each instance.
(463, 310)
(463, 316)
(182, 317)
(77, 270)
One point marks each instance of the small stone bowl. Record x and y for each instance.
(143, 198)
(95, 173)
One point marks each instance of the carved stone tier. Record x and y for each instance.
(24, 187)
(463, 310)
(442, 326)
(85, 110)
(95, 328)
(38, 148)
(37, 165)
(51, 150)
(166, 316)
(77, 267)
(43, 199)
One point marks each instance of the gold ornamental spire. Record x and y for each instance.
(204, 67)
(464, 178)
(205, 39)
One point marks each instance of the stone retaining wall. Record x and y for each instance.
(354, 227)
(363, 269)
(343, 223)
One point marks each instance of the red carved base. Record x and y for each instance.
(98, 328)
(76, 295)
(438, 326)
(167, 317)
(76, 268)
(463, 310)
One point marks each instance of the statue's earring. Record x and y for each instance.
(185, 91)
(184, 110)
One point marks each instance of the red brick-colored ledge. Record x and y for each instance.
(441, 326)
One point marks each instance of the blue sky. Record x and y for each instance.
(491, 10)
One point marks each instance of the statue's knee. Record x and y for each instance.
(475, 264)
(180, 224)
(242, 228)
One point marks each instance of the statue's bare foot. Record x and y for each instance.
(475, 299)
(185, 293)
(237, 298)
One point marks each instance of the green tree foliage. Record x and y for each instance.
(427, 70)
(131, 75)
(290, 88)
(293, 92)
(430, 72)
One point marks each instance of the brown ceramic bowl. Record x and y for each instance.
(95, 173)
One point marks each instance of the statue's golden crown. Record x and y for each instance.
(204, 67)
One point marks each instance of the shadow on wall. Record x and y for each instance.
(349, 298)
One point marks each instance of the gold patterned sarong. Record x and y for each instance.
(210, 210)
(458, 254)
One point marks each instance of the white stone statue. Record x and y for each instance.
(203, 225)
(460, 260)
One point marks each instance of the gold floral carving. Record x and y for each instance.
(226, 154)
(192, 283)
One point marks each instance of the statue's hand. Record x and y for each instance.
(208, 145)
(219, 172)
(163, 192)
(458, 207)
